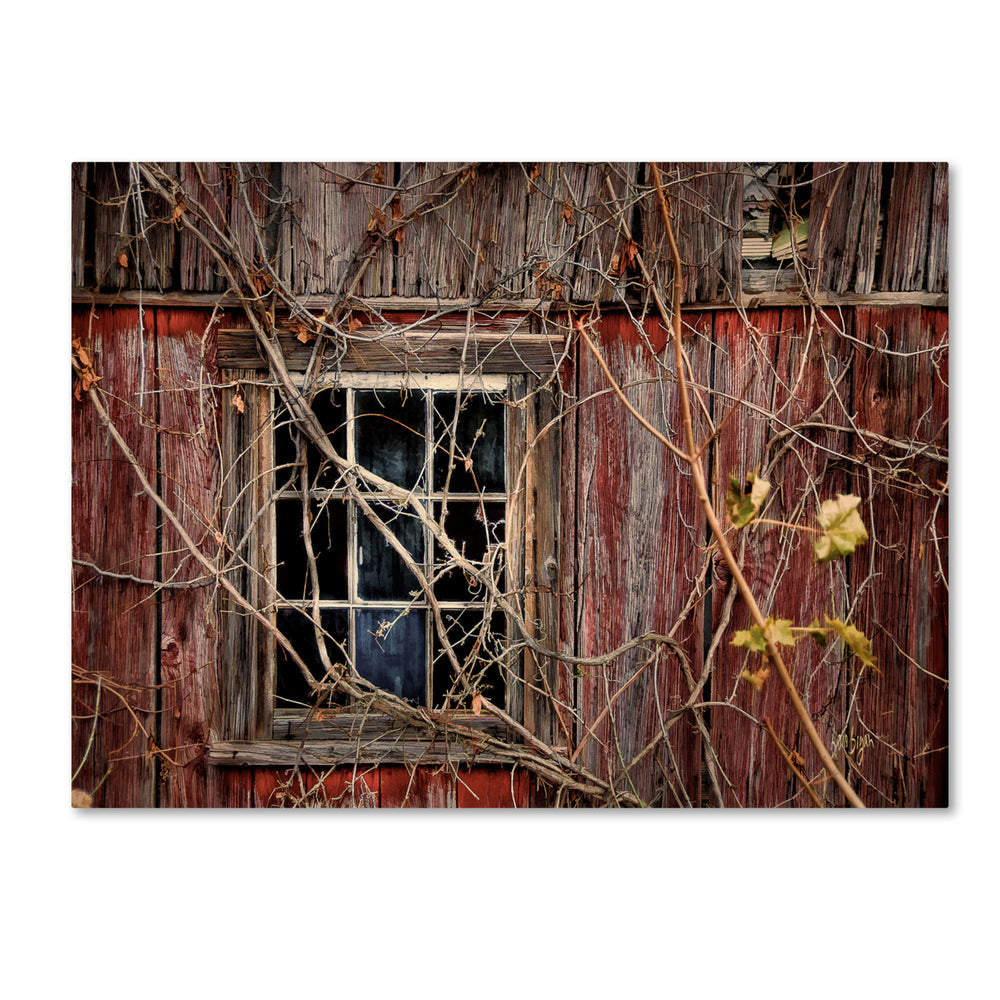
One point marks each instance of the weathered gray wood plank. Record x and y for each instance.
(498, 344)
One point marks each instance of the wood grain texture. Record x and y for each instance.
(937, 248)
(907, 228)
(608, 193)
(78, 222)
(706, 202)
(409, 342)
(109, 185)
(900, 724)
(205, 184)
(190, 475)
(843, 225)
(778, 365)
(638, 535)
(498, 195)
(332, 788)
(246, 681)
(434, 257)
(114, 527)
(556, 221)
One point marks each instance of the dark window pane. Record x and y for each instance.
(329, 541)
(476, 647)
(391, 652)
(330, 408)
(382, 574)
(297, 627)
(472, 527)
(478, 465)
(389, 435)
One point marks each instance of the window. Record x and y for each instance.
(498, 494)
(372, 609)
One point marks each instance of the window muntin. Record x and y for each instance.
(370, 605)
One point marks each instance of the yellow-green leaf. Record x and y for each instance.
(780, 630)
(843, 529)
(752, 639)
(853, 640)
(756, 679)
(755, 638)
(743, 502)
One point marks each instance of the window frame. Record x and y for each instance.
(245, 729)
(495, 385)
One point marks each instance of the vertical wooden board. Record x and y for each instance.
(246, 682)
(796, 363)
(931, 766)
(316, 788)
(900, 719)
(602, 235)
(297, 242)
(498, 215)
(752, 772)
(252, 211)
(434, 257)
(154, 237)
(230, 788)
(843, 224)
(553, 702)
(706, 204)
(907, 228)
(109, 186)
(78, 222)
(808, 362)
(204, 185)
(555, 222)
(189, 626)
(782, 366)
(356, 209)
(517, 487)
(566, 582)
(417, 787)
(937, 248)
(114, 528)
(638, 533)
(492, 788)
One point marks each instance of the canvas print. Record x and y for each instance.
(510, 485)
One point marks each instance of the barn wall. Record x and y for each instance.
(627, 531)
(637, 552)
(505, 231)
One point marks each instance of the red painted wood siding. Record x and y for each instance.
(632, 543)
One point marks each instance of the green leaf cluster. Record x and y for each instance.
(781, 630)
(755, 638)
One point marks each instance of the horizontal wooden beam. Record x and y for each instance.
(493, 344)
(340, 740)
(748, 300)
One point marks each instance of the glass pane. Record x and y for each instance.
(330, 408)
(329, 540)
(382, 574)
(471, 533)
(478, 465)
(391, 652)
(297, 627)
(476, 647)
(389, 435)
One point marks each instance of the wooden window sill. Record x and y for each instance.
(346, 739)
